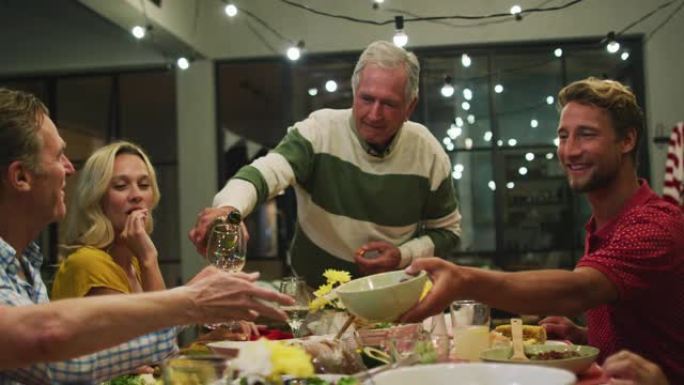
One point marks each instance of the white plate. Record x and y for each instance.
(475, 373)
(229, 348)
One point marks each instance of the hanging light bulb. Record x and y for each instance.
(516, 11)
(295, 52)
(139, 32)
(612, 46)
(465, 60)
(231, 10)
(183, 63)
(331, 86)
(447, 89)
(558, 52)
(400, 38)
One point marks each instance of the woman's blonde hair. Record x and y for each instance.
(86, 224)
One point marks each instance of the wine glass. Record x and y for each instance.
(227, 250)
(296, 288)
(227, 247)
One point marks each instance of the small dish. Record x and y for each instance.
(587, 355)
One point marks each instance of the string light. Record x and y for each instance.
(400, 38)
(492, 185)
(139, 32)
(459, 121)
(516, 11)
(549, 100)
(427, 18)
(295, 52)
(183, 63)
(471, 118)
(624, 55)
(612, 46)
(487, 136)
(458, 167)
(534, 123)
(510, 185)
(512, 142)
(331, 86)
(529, 156)
(231, 10)
(465, 106)
(447, 89)
(467, 94)
(468, 143)
(558, 52)
(522, 170)
(498, 88)
(313, 91)
(465, 60)
(549, 155)
(556, 142)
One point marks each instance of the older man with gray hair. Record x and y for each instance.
(374, 190)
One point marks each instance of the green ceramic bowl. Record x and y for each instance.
(382, 297)
(587, 355)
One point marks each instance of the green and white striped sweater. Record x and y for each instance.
(347, 197)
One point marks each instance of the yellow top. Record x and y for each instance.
(88, 268)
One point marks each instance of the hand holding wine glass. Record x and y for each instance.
(296, 288)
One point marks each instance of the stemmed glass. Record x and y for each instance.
(227, 250)
(296, 288)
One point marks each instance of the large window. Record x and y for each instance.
(498, 126)
(91, 110)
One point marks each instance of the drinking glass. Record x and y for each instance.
(470, 322)
(296, 288)
(196, 370)
(227, 247)
(227, 250)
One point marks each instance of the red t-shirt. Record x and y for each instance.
(641, 251)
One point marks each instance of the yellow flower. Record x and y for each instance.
(336, 276)
(318, 304)
(290, 360)
(323, 290)
(426, 289)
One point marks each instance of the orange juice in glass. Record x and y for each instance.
(470, 324)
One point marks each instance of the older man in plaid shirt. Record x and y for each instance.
(33, 173)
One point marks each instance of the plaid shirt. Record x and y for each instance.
(94, 368)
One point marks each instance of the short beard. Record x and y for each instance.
(597, 182)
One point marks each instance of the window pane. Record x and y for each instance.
(461, 119)
(147, 113)
(522, 83)
(473, 178)
(83, 109)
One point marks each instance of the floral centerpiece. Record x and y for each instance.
(325, 296)
(267, 361)
(329, 313)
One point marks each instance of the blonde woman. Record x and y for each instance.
(108, 227)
